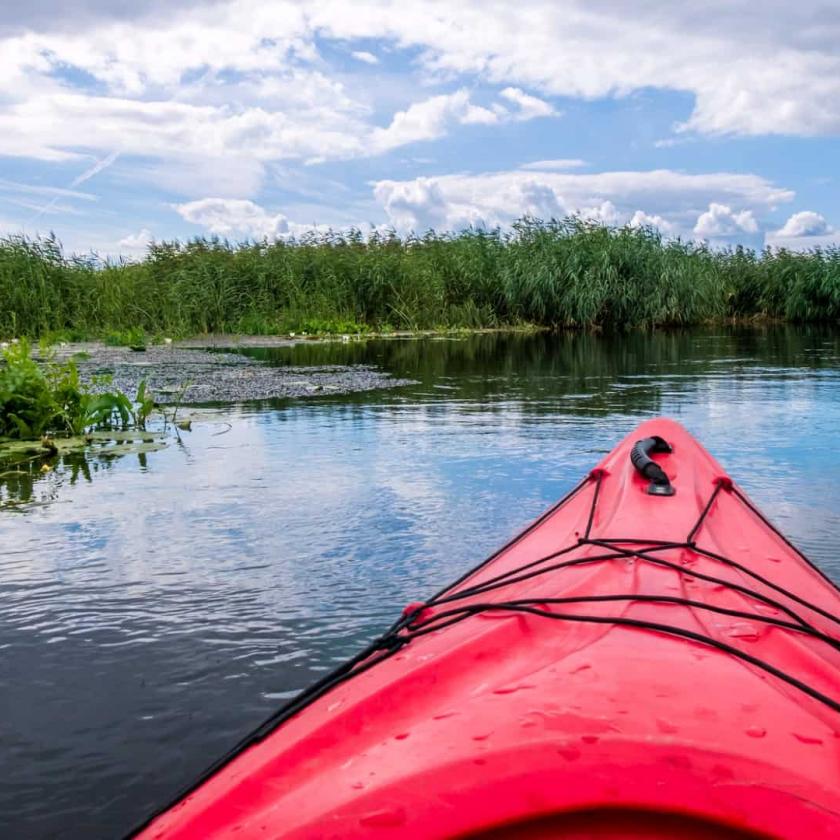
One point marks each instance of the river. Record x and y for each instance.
(156, 607)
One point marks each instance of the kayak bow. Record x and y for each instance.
(650, 658)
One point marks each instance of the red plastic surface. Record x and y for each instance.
(516, 725)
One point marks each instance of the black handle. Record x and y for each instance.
(660, 484)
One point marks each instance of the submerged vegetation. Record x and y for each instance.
(566, 273)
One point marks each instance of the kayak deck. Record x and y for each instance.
(632, 665)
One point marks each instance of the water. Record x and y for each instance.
(155, 608)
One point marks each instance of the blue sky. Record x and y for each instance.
(260, 118)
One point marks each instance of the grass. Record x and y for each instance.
(560, 273)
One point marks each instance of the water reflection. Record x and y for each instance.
(31, 475)
(158, 609)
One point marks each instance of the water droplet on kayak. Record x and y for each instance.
(744, 630)
(589, 739)
(756, 731)
(807, 739)
(333, 706)
(511, 689)
(570, 753)
(402, 736)
(444, 715)
(482, 737)
(580, 668)
(666, 727)
(774, 559)
(386, 818)
(357, 786)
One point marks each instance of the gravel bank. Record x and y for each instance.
(220, 375)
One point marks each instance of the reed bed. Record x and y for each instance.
(559, 273)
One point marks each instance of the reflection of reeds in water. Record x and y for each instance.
(32, 473)
(558, 273)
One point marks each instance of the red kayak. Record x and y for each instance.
(650, 658)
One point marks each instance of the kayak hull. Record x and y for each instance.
(631, 665)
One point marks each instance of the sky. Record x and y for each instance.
(123, 123)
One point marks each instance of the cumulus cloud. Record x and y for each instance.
(234, 217)
(425, 120)
(241, 218)
(605, 213)
(804, 230)
(416, 205)
(804, 223)
(720, 220)
(434, 117)
(137, 241)
(641, 219)
(498, 198)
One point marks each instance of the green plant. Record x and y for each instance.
(38, 399)
(133, 337)
(566, 273)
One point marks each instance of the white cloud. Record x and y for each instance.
(497, 198)
(804, 223)
(720, 220)
(779, 77)
(247, 77)
(137, 241)
(206, 99)
(605, 213)
(642, 219)
(425, 120)
(434, 117)
(234, 217)
(240, 218)
(529, 107)
(555, 164)
(415, 205)
(365, 56)
(804, 230)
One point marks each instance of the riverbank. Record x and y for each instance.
(557, 274)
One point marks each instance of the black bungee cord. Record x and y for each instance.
(411, 626)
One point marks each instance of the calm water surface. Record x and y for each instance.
(155, 609)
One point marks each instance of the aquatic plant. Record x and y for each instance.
(556, 273)
(49, 398)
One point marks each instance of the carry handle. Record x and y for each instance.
(660, 484)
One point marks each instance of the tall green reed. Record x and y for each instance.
(558, 273)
